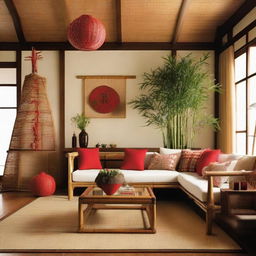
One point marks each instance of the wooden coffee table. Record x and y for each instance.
(93, 199)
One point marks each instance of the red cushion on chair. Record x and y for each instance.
(206, 158)
(89, 158)
(134, 159)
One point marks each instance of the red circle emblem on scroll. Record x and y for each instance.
(104, 99)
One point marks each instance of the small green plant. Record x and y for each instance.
(106, 176)
(80, 120)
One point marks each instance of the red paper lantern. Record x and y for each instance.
(86, 33)
(43, 185)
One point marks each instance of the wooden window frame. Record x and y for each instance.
(15, 65)
(239, 52)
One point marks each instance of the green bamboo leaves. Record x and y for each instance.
(174, 99)
(80, 120)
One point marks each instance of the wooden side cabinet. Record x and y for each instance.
(238, 201)
(238, 211)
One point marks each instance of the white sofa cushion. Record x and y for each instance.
(198, 186)
(131, 176)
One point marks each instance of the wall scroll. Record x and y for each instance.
(105, 96)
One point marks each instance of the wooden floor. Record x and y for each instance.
(10, 202)
(13, 201)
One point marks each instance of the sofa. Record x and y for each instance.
(200, 189)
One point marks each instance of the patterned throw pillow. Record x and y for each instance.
(164, 162)
(218, 181)
(189, 159)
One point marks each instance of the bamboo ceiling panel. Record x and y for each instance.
(43, 20)
(202, 17)
(47, 20)
(7, 30)
(148, 20)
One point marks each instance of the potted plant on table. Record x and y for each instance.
(174, 100)
(109, 180)
(81, 122)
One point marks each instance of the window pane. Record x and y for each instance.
(7, 75)
(8, 96)
(241, 106)
(251, 101)
(241, 143)
(250, 142)
(7, 119)
(252, 60)
(240, 67)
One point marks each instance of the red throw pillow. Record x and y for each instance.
(134, 159)
(206, 158)
(89, 158)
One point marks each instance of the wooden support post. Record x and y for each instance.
(210, 206)
(70, 170)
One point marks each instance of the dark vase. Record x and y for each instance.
(74, 141)
(83, 139)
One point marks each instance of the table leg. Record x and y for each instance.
(151, 212)
(81, 216)
(153, 217)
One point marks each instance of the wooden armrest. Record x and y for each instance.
(227, 173)
(72, 154)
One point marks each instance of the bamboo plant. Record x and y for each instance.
(174, 99)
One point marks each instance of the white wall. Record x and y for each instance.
(129, 131)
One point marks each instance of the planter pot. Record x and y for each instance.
(110, 189)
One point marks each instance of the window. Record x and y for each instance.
(245, 83)
(8, 109)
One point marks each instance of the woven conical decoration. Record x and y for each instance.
(33, 129)
(33, 135)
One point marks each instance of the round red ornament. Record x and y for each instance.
(104, 99)
(43, 184)
(86, 33)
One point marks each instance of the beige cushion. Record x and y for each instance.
(148, 159)
(245, 163)
(198, 186)
(164, 162)
(225, 166)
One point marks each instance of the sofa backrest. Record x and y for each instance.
(243, 162)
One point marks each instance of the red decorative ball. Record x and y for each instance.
(43, 185)
(86, 33)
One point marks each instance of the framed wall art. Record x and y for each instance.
(105, 96)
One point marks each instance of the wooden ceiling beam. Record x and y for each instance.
(179, 20)
(111, 46)
(16, 20)
(119, 38)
